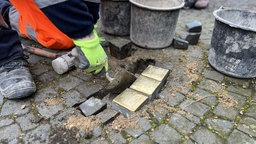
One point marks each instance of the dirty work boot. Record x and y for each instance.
(15, 80)
(91, 55)
(201, 4)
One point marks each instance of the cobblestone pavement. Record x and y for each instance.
(197, 104)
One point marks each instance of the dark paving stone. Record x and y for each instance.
(237, 137)
(107, 115)
(170, 98)
(35, 59)
(181, 124)
(69, 82)
(116, 138)
(209, 98)
(44, 93)
(72, 97)
(144, 139)
(62, 115)
(79, 73)
(227, 112)
(9, 133)
(39, 69)
(5, 122)
(120, 48)
(204, 136)
(222, 126)
(210, 85)
(92, 106)
(213, 75)
(26, 123)
(88, 89)
(240, 90)
(38, 135)
(247, 125)
(179, 43)
(165, 134)
(48, 111)
(15, 107)
(194, 26)
(48, 77)
(195, 108)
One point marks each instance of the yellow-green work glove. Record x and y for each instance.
(91, 55)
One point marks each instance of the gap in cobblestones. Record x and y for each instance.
(135, 68)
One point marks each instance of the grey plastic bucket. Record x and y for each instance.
(115, 16)
(233, 43)
(153, 22)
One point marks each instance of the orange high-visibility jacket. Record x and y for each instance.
(29, 21)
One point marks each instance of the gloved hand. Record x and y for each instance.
(92, 57)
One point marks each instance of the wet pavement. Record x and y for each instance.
(196, 105)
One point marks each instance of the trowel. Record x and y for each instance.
(121, 80)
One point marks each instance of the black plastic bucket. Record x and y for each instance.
(115, 16)
(233, 43)
(153, 22)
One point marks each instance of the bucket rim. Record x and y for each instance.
(215, 13)
(182, 3)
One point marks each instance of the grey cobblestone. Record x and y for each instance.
(38, 135)
(26, 123)
(15, 107)
(170, 98)
(238, 137)
(72, 97)
(106, 115)
(224, 111)
(210, 85)
(193, 107)
(252, 111)
(165, 134)
(60, 118)
(240, 90)
(116, 138)
(213, 75)
(44, 93)
(9, 133)
(6, 122)
(92, 106)
(182, 124)
(236, 81)
(48, 77)
(203, 136)
(222, 126)
(39, 69)
(205, 97)
(144, 139)
(88, 89)
(69, 82)
(1, 99)
(48, 111)
(248, 125)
